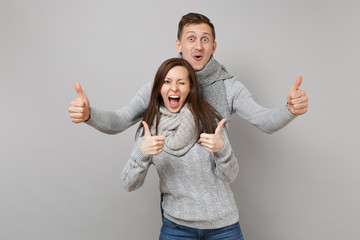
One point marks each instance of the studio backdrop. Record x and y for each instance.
(60, 180)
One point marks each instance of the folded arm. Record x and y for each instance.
(134, 173)
(226, 164)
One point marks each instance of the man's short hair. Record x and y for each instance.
(194, 18)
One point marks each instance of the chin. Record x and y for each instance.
(198, 67)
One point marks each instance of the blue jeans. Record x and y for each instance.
(173, 231)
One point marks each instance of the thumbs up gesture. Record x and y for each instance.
(151, 145)
(297, 99)
(80, 107)
(213, 142)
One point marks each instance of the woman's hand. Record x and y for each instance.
(151, 145)
(213, 142)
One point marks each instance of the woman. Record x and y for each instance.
(197, 202)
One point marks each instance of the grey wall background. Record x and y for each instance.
(59, 180)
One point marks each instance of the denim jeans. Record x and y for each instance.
(173, 231)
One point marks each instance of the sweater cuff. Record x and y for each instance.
(95, 118)
(288, 113)
(100, 120)
(139, 156)
(224, 153)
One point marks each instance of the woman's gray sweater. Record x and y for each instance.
(196, 184)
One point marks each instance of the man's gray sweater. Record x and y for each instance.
(224, 92)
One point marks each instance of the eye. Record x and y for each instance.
(191, 39)
(205, 39)
(167, 81)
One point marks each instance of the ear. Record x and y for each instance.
(214, 47)
(178, 46)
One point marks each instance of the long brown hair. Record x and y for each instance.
(204, 114)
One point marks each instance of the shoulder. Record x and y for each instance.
(234, 88)
(233, 84)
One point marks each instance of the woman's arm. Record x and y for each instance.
(134, 173)
(135, 170)
(226, 164)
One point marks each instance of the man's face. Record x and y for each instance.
(196, 45)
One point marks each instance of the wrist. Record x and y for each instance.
(221, 147)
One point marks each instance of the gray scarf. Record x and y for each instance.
(179, 130)
(212, 86)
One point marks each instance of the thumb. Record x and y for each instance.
(146, 129)
(297, 84)
(79, 91)
(220, 126)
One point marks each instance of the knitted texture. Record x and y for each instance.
(212, 87)
(239, 101)
(196, 185)
(179, 130)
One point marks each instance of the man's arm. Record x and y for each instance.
(242, 104)
(111, 122)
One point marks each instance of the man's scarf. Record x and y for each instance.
(212, 86)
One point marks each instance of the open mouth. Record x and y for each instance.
(198, 57)
(174, 101)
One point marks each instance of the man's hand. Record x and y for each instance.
(297, 99)
(213, 142)
(80, 107)
(151, 145)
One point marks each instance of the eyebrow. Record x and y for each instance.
(205, 33)
(180, 79)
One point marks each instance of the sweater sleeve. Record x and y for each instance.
(226, 164)
(243, 105)
(134, 173)
(113, 122)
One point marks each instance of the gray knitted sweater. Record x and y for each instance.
(224, 92)
(179, 130)
(195, 183)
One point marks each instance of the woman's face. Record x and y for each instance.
(175, 89)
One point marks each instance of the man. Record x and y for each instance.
(196, 43)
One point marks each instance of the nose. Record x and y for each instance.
(198, 44)
(174, 86)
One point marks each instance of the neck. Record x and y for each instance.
(212, 72)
